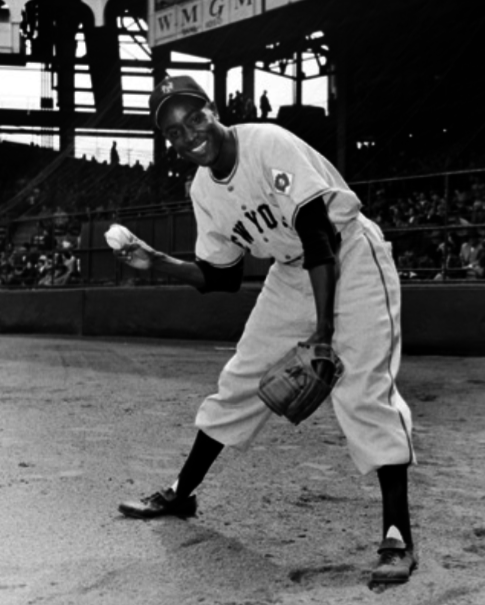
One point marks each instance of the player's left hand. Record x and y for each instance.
(323, 369)
(293, 388)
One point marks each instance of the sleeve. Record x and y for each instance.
(211, 245)
(318, 236)
(296, 174)
(227, 279)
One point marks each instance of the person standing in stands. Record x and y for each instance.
(265, 106)
(114, 155)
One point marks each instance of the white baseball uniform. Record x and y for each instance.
(254, 211)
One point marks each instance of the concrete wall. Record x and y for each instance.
(42, 311)
(444, 318)
(437, 319)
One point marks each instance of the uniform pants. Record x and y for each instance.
(373, 416)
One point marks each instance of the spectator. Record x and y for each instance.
(265, 105)
(238, 107)
(188, 183)
(231, 109)
(471, 254)
(480, 272)
(114, 155)
(65, 269)
(406, 263)
(72, 238)
(60, 221)
(478, 212)
(250, 111)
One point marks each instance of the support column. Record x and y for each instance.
(248, 79)
(160, 66)
(66, 48)
(249, 102)
(16, 39)
(341, 89)
(299, 75)
(220, 88)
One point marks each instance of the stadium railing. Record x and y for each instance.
(435, 222)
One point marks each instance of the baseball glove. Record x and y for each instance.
(301, 381)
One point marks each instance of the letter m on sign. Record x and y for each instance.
(190, 14)
(242, 9)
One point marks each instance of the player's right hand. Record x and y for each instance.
(138, 255)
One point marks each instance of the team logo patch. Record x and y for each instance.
(282, 181)
(167, 87)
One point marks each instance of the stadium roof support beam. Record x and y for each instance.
(66, 47)
(160, 70)
(339, 99)
(98, 8)
(220, 86)
(54, 119)
(105, 66)
(248, 79)
(300, 76)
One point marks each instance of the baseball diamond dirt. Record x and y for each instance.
(86, 423)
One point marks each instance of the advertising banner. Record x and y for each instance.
(189, 17)
(272, 4)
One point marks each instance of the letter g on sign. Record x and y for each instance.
(217, 7)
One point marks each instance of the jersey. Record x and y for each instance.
(254, 209)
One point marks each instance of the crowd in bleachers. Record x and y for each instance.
(35, 180)
(45, 198)
(436, 223)
(30, 267)
(40, 252)
(54, 195)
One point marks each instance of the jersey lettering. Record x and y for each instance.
(268, 217)
(252, 216)
(238, 243)
(241, 230)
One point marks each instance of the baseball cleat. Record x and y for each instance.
(396, 562)
(162, 503)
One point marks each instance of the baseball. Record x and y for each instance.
(117, 237)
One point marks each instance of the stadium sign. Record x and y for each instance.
(190, 17)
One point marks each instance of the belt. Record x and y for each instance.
(293, 260)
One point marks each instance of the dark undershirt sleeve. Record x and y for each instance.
(318, 235)
(221, 279)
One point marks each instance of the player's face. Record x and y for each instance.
(193, 129)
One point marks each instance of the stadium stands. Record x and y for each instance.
(435, 221)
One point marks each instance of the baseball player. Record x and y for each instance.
(261, 190)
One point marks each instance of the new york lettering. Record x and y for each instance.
(241, 230)
(263, 213)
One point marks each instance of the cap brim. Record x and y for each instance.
(176, 94)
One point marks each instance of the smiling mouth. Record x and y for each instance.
(200, 149)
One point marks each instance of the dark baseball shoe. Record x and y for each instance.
(396, 562)
(162, 503)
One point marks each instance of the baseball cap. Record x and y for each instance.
(171, 86)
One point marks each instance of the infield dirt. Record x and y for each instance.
(86, 423)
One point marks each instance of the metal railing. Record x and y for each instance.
(435, 223)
